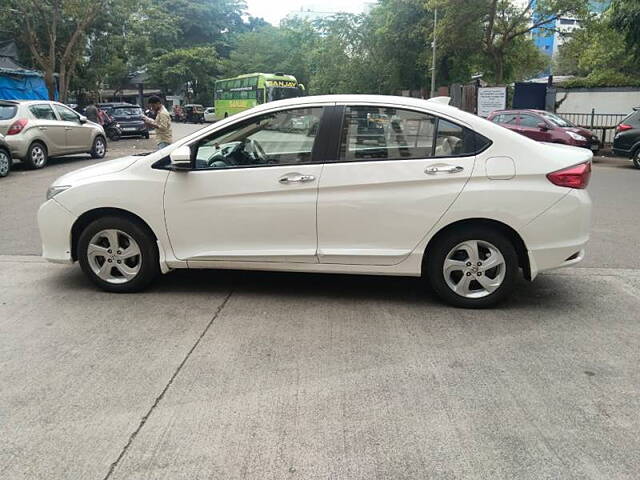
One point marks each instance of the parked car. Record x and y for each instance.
(545, 127)
(448, 196)
(37, 129)
(128, 117)
(5, 154)
(626, 143)
(210, 114)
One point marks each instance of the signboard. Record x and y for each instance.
(490, 99)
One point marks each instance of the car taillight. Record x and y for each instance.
(17, 126)
(623, 127)
(573, 177)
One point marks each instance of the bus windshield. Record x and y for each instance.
(280, 93)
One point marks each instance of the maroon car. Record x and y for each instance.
(545, 127)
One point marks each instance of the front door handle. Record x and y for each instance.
(447, 169)
(68, 128)
(296, 178)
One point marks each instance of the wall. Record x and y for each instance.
(604, 100)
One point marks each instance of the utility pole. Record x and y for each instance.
(433, 55)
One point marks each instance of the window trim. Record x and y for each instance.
(437, 118)
(223, 131)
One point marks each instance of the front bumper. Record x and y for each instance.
(133, 128)
(558, 237)
(55, 223)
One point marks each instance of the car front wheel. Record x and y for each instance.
(119, 255)
(99, 149)
(472, 267)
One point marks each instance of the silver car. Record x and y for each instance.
(38, 129)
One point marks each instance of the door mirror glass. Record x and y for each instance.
(181, 158)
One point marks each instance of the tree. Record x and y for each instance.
(504, 25)
(626, 17)
(194, 68)
(55, 33)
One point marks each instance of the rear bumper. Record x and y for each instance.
(18, 145)
(55, 223)
(558, 237)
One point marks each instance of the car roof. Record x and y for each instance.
(520, 110)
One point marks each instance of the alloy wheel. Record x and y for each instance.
(114, 256)
(474, 269)
(100, 147)
(4, 164)
(38, 156)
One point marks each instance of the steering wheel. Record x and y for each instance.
(224, 156)
(257, 152)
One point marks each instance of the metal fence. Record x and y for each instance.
(601, 124)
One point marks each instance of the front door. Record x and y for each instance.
(79, 137)
(529, 126)
(396, 174)
(252, 194)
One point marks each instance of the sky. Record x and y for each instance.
(274, 11)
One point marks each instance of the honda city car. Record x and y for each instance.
(440, 193)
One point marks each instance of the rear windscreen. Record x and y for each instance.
(633, 119)
(8, 111)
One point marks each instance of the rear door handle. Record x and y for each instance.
(296, 178)
(42, 128)
(68, 128)
(447, 169)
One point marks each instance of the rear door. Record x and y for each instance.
(395, 173)
(78, 135)
(52, 130)
(529, 127)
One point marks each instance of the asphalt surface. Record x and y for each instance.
(225, 375)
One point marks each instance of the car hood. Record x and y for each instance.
(102, 168)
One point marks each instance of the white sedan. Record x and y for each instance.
(338, 184)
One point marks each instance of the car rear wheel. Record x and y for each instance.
(118, 255)
(5, 163)
(99, 149)
(473, 267)
(37, 156)
(636, 158)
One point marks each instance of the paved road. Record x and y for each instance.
(225, 375)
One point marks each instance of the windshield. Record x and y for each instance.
(556, 120)
(280, 93)
(127, 111)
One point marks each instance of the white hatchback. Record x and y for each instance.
(337, 184)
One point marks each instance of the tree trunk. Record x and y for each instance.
(50, 81)
(498, 61)
(62, 80)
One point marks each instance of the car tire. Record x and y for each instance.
(454, 267)
(99, 149)
(146, 135)
(37, 156)
(5, 162)
(636, 158)
(122, 272)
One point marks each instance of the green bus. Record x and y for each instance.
(236, 94)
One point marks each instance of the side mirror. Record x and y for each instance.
(83, 119)
(181, 158)
(543, 126)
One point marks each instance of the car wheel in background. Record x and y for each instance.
(118, 254)
(472, 267)
(636, 158)
(5, 163)
(37, 156)
(99, 149)
(146, 135)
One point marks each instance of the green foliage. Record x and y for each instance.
(195, 67)
(626, 18)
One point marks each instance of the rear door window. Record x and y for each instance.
(7, 112)
(42, 112)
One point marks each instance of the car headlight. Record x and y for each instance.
(55, 190)
(577, 136)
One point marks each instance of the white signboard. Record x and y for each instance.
(490, 99)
